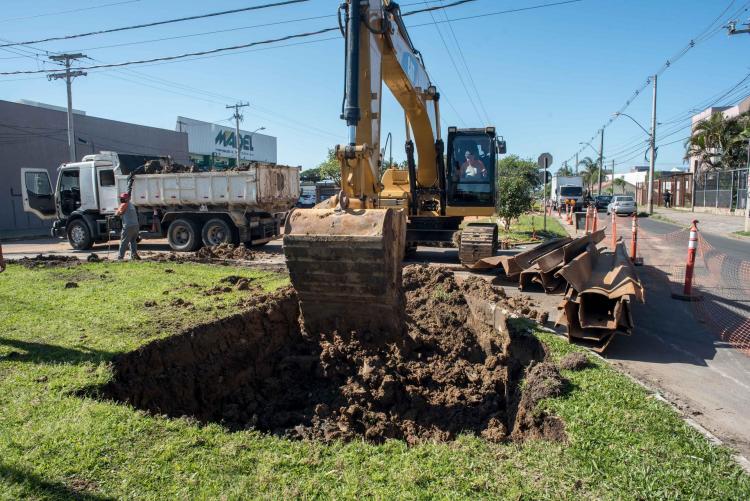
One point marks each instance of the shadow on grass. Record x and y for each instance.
(50, 353)
(35, 487)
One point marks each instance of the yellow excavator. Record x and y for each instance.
(344, 255)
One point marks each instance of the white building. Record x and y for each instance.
(728, 112)
(212, 145)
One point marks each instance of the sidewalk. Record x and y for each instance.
(712, 224)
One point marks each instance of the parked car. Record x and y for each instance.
(621, 204)
(602, 201)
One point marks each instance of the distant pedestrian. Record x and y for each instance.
(130, 227)
(2, 259)
(667, 199)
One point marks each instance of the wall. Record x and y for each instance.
(205, 138)
(32, 136)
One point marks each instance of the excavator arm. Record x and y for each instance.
(344, 256)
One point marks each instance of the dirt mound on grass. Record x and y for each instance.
(543, 380)
(47, 261)
(220, 253)
(258, 369)
(575, 361)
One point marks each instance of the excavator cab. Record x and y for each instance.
(470, 176)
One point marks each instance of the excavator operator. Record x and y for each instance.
(472, 169)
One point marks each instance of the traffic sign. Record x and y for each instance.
(544, 161)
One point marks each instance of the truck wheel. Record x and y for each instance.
(183, 235)
(217, 231)
(79, 235)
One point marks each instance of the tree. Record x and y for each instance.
(719, 142)
(513, 165)
(311, 175)
(330, 168)
(590, 172)
(514, 198)
(565, 170)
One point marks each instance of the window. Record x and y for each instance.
(37, 184)
(471, 172)
(106, 177)
(571, 191)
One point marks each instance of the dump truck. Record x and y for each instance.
(190, 209)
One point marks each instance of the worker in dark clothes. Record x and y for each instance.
(130, 227)
(2, 259)
(667, 199)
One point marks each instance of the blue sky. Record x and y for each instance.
(548, 78)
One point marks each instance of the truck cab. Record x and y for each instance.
(84, 191)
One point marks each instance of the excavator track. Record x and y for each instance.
(478, 241)
(346, 268)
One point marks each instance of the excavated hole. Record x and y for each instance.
(258, 370)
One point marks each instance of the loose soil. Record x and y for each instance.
(221, 252)
(575, 361)
(448, 374)
(48, 261)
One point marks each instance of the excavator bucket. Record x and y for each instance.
(346, 268)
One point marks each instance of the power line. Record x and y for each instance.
(466, 65)
(453, 62)
(159, 23)
(269, 41)
(707, 33)
(69, 11)
(189, 54)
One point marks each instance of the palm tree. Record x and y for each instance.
(590, 172)
(619, 182)
(719, 142)
(565, 170)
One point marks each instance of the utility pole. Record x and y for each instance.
(601, 158)
(237, 119)
(732, 29)
(576, 164)
(613, 177)
(652, 161)
(68, 75)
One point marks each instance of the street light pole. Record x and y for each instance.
(652, 160)
(68, 75)
(601, 158)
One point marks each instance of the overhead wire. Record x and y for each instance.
(469, 73)
(704, 35)
(69, 11)
(158, 23)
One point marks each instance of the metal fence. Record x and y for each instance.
(679, 185)
(722, 189)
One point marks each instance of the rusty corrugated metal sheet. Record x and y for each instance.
(596, 305)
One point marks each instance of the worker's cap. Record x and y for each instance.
(124, 197)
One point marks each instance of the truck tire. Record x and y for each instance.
(184, 235)
(217, 231)
(79, 235)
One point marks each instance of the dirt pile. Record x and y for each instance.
(47, 261)
(543, 380)
(225, 251)
(575, 361)
(257, 369)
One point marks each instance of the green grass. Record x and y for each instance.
(55, 444)
(742, 233)
(523, 229)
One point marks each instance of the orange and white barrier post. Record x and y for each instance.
(692, 248)
(595, 215)
(588, 218)
(571, 209)
(614, 230)
(634, 238)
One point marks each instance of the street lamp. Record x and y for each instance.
(251, 141)
(652, 160)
